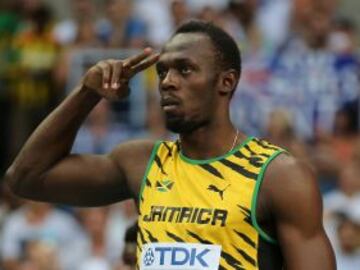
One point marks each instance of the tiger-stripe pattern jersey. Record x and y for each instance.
(210, 202)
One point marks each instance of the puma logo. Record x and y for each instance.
(217, 190)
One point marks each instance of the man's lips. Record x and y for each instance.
(169, 104)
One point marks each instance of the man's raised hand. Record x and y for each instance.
(110, 78)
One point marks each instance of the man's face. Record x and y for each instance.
(317, 26)
(187, 82)
(349, 236)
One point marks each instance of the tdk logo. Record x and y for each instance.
(180, 256)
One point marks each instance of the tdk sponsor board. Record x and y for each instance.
(176, 256)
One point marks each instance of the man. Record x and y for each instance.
(200, 201)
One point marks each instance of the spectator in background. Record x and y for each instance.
(342, 219)
(245, 20)
(209, 14)
(356, 153)
(342, 229)
(119, 28)
(67, 31)
(180, 12)
(100, 131)
(301, 8)
(280, 131)
(96, 249)
(40, 256)
(39, 223)
(162, 16)
(156, 14)
(347, 194)
(303, 74)
(8, 203)
(333, 152)
(348, 232)
(343, 37)
(75, 34)
(105, 230)
(121, 217)
(251, 101)
(28, 8)
(308, 77)
(35, 93)
(274, 14)
(10, 22)
(129, 253)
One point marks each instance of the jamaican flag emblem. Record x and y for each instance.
(164, 185)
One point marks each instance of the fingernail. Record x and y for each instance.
(106, 85)
(148, 50)
(115, 85)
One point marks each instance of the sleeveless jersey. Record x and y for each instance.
(201, 214)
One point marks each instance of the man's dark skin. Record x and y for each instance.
(192, 88)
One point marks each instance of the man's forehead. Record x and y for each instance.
(189, 43)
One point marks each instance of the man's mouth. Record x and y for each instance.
(169, 104)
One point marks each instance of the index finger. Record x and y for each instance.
(145, 64)
(132, 61)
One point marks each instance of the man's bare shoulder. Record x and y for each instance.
(132, 158)
(133, 151)
(140, 146)
(291, 187)
(287, 170)
(294, 202)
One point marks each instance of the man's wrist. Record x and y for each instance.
(88, 91)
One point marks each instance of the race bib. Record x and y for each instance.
(180, 256)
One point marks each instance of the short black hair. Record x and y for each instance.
(227, 52)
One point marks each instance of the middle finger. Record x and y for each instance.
(134, 60)
(117, 67)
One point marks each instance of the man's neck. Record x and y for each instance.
(210, 142)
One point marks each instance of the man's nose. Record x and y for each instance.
(170, 82)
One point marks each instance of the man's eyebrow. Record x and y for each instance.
(159, 65)
(183, 61)
(176, 61)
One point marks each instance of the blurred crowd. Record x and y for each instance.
(299, 89)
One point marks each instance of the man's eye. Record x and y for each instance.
(185, 70)
(161, 74)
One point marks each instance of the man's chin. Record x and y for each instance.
(174, 126)
(178, 125)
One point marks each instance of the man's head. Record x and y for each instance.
(198, 69)
(349, 227)
(225, 50)
(82, 9)
(129, 253)
(244, 11)
(313, 21)
(118, 10)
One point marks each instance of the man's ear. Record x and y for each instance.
(227, 81)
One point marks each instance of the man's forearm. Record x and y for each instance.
(53, 138)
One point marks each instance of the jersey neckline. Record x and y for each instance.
(210, 160)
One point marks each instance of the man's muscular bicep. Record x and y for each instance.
(133, 158)
(297, 207)
(93, 180)
(82, 180)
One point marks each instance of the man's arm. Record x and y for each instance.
(296, 206)
(45, 170)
